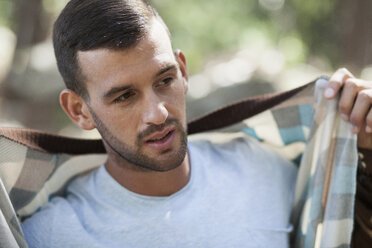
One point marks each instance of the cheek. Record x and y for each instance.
(123, 125)
(177, 97)
(176, 102)
(176, 106)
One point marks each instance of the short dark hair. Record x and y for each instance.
(90, 24)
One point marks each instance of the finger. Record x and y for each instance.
(369, 121)
(177, 52)
(365, 139)
(349, 93)
(348, 97)
(336, 81)
(359, 112)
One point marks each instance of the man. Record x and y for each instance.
(156, 189)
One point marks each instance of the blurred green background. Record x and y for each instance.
(234, 49)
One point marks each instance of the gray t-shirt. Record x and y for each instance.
(239, 195)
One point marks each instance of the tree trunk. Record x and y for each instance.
(355, 33)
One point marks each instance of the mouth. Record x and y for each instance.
(161, 140)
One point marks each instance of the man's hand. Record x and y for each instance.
(355, 103)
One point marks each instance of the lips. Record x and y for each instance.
(161, 140)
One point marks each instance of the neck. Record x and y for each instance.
(151, 183)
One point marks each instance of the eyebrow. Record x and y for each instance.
(116, 90)
(166, 68)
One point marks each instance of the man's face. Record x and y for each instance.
(137, 100)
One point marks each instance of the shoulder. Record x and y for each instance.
(41, 227)
(59, 222)
(244, 156)
(234, 147)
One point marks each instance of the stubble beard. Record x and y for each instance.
(135, 156)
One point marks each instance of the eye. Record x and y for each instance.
(165, 82)
(124, 97)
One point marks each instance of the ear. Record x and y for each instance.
(181, 59)
(76, 108)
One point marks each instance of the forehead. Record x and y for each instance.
(105, 67)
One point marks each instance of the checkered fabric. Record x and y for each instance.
(300, 123)
(326, 184)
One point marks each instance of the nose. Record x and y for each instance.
(155, 111)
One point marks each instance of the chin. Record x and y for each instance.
(169, 163)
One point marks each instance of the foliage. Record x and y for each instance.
(6, 13)
(316, 24)
(202, 28)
